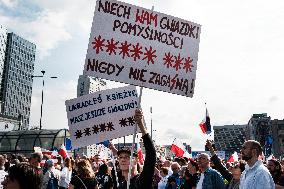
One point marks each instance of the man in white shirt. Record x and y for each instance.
(256, 175)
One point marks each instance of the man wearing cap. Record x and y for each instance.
(144, 179)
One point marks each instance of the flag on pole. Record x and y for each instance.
(140, 154)
(63, 152)
(178, 148)
(205, 124)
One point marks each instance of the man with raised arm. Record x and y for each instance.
(144, 179)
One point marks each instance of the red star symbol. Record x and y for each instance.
(111, 46)
(98, 44)
(149, 55)
(168, 60)
(136, 51)
(124, 49)
(178, 62)
(188, 64)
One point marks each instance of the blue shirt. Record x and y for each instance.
(178, 181)
(213, 180)
(256, 177)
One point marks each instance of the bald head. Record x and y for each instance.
(175, 167)
(203, 161)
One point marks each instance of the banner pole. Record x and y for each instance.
(114, 167)
(133, 142)
(134, 134)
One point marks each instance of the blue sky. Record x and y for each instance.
(240, 66)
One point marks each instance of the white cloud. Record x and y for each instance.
(9, 3)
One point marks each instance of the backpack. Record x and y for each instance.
(52, 182)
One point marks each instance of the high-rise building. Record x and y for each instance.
(16, 86)
(87, 85)
(277, 138)
(229, 138)
(3, 44)
(259, 128)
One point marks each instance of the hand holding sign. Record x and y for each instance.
(139, 120)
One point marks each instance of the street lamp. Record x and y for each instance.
(43, 72)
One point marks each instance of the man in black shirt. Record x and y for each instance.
(144, 179)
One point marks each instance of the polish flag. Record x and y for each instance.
(233, 158)
(205, 124)
(178, 148)
(63, 152)
(140, 154)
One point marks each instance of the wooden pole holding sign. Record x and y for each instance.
(133, 142)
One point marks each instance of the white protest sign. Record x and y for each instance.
(138, 46)
(101, 116)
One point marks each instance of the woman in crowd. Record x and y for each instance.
(190, 175)
(103, 178)
(85, 178)
(51, 176)
(232, 177)
(164, 177)
(66, 173)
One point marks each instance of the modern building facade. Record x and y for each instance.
(229, 138)
(8, 123)
(87, 85)
(259, 129)
(3, 44)
(16, 87)
(278, 138)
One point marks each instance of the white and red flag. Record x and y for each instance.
(205, 124)
(140, 154)
(178, 148)
(63, 152)
(233, 158)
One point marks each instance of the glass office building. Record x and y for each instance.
(16, 88)
(3, 43)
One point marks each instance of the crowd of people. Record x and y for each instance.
(203, 172)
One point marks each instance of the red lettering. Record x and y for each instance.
(145, 16)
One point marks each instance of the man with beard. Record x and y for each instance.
(255, 175)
